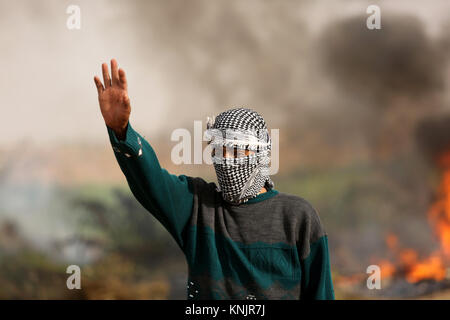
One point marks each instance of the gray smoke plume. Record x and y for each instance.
(400, 59)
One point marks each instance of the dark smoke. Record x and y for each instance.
(398, 60)
(433, 135)
(238, 53)
(391, 78)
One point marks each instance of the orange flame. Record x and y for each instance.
(387, 268)
(432, 267)
(392, 241)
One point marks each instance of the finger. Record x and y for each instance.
(126, 101)
(99, 85)
(106, 78)
(114, 72)
(123, 79)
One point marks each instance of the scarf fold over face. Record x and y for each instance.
(240, 178)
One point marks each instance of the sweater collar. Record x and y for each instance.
(263, 196)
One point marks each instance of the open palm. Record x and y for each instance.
(113, 98)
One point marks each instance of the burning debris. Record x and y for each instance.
(434, 138)
(408, 265)
(404, 271)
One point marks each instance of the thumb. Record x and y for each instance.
(99, 85)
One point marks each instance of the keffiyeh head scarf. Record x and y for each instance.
(240, 178)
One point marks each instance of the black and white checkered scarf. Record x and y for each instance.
(241, 178)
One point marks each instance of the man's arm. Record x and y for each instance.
(316, 279)
(314, 258)
(168, 197)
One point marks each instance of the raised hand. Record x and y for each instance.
(113, 99)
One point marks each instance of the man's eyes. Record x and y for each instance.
(235, 152)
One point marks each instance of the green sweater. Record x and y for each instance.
(272, 247)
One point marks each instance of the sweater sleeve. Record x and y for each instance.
(317, 283)
(169, 198)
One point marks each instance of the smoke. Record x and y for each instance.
(387, 80)
(398, 60)
(433, 136)
(223, 54)
(185, 61)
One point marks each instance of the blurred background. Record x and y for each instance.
(364, 120)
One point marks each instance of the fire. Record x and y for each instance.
(432, 267)
(408, 258)
(439, 213)
(387, 268)
(392, 241)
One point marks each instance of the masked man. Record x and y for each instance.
(242, 239)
